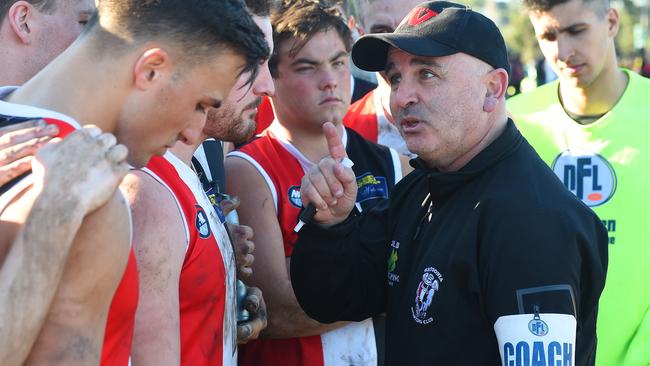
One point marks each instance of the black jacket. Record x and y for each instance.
(450, 253)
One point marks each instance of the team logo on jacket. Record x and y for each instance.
(391, 264)
(294, 196)
(370, 187)
(588, 175)
(202, 224)
(430, 284)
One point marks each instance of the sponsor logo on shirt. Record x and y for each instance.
(588, 175)
(371, 187)
(294, 196)
(430, 284)
(392, 263)
(202, 224)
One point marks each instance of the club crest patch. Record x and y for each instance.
(202, 224)
(428, 287)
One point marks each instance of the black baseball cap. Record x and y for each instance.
(436, 28)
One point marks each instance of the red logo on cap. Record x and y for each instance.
(419, 15)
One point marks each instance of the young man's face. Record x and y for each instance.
(313, 87)
(54, 31)
(437, 104)
(175, 109)
(577, 40)
(235, 120)
(383, 16)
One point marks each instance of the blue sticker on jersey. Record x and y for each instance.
(371, 187)
(294, 196)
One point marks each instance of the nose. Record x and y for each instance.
(403, 96)
(329, 79)
(191, 134)
(565, 49)
(264, 85)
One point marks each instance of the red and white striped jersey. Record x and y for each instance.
(208, 322)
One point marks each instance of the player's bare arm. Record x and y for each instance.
(42, 267)
(159, 242)
(285, 316)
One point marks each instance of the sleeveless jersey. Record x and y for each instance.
(607, 165)
(208, 326)
(282, 166)
(366, 116)
(118, 336)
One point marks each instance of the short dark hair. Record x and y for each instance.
(194, 27)
(42, 5)
(300, 20)
(599, 6)
(260, 8)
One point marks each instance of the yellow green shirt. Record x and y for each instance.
(607, 165)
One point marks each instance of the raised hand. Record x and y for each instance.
(330, 185)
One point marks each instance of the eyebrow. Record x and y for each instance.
(564, 29)
(425, 62)
(419, 61)
(308, 61)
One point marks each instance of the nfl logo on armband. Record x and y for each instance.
(538, 327)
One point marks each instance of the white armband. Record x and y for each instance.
(536, 339)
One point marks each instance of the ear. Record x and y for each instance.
(496, 84)
(19, 16)
(152, 66)
(613, 21)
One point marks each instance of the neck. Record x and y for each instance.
(598, 97)
(185, 152)
(312, 145)
(78, 87)
(499, 121)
